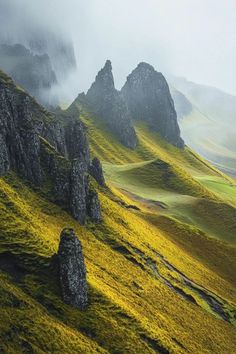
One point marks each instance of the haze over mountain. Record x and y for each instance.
(165, 34)
(207, 118)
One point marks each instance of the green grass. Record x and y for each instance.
(127, 256)
(128, 303)
(209, 137)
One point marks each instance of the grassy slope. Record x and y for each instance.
(209, 129)
(211, 139)
(131, 307)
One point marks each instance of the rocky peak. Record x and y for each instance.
(103, 86)
(148, 98)
(72, 271)
(109, 106)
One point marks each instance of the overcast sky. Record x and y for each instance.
(191, 38)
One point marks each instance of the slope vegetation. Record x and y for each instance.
(161, 272)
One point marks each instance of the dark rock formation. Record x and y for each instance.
(79, 193)
(95, 170)
(39, 37)
(33, 72)
(50, 151)
(148, 98)
(109, 105)
(72, 270)
(19, 133)
(93, 206)
(183, 106)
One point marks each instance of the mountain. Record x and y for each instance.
(148, 98)
(108, 104)
(145, 97)
(156, 272)
(38, 56)
(209, 126)
(33, 72)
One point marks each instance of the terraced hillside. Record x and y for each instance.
(161, 265)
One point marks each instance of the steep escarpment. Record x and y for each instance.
(50, 151)
(108, 104)
(148, 98)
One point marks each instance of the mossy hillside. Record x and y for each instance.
(224, 189)
(157, 171)
(184, 164)
(130, 308)
(204, 135)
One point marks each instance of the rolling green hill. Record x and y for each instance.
(161, 266)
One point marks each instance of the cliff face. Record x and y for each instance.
(46, 149)
(33, 72)
(109, 105)
(148, 98)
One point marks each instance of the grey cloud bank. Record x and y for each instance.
(195, 39)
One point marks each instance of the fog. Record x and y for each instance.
(195, 39)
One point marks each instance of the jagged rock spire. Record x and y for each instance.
(109, 105)
(148, 98)
(72, 271)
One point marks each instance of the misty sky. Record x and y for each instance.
(191, 38)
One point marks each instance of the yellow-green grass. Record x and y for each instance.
(208, 137)
(220, 187)
(130, 309)
(156, 170)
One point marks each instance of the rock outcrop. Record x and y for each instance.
(93, 206)
(95, 170)
(108, 104)
(148, 98)
(50, 151)
(72, 271)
